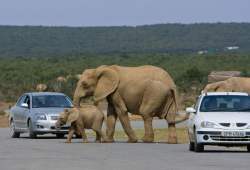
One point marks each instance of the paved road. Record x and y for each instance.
(49, 153)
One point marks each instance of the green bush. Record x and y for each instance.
(19, 75)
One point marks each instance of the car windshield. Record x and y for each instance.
(222, 103)
(51, 101)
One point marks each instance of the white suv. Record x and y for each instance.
(219, 118)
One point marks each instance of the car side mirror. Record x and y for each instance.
(24, 105)
(190, 110)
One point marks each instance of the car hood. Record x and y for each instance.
(47, 111)
(225, 117)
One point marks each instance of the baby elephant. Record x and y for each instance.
(88, 116)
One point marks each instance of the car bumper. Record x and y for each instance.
(42, 127)
(216, 138)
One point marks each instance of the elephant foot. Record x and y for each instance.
(132, 141)
(148, 139)
(109, 140)
(67, 141)
(97, 141)
(172, 138)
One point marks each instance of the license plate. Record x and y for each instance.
(233, 134)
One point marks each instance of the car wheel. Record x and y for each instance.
(197, 146)
(13, 132)
(191, 146)
(32, 134)
(60, 135)
(248, 148)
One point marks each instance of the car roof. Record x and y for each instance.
(44, 93)
(225, 93)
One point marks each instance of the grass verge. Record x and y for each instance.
(161, 135)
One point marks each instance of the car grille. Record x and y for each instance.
(223, 138)
(225, 124)
(61, 128)
(53, 117)
(241, 124)
(237, 124)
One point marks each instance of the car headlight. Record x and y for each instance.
(41, 117)
(206, 124)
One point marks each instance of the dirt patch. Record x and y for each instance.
(3, 118)
(4, 106)
(3, 121)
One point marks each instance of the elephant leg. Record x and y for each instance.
(70, 135)
(172, 138)
(149, 133)
(98, 137)
(122, 113)
(104, 137)
(124, 119)
(81, 130)
(111, 121)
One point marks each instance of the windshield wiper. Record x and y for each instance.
(219, 109)
(243, 109)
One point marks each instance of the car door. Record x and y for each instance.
(24, 112)
(16, 112)
(192, 116)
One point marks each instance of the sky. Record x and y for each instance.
(121, 12)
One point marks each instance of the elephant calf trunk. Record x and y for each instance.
(76, 102)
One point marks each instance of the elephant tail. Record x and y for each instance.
(171, 107)
(178, 117)
(174, 95)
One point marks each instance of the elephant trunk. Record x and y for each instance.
(76, 98)
(181, 117)
(76, 101)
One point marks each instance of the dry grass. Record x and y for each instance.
(3, 121)
(160, 135)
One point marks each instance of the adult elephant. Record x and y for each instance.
(146, 90)
(234, 84)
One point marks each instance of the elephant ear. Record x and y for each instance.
(107, 82)
(73, 116)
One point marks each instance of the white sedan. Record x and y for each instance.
(219, 118)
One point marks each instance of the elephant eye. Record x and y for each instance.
(84, 84)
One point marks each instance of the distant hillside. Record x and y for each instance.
(170, 38)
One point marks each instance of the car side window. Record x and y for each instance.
(27, 100)
(21, 100)
(197, 103)
(24, 99)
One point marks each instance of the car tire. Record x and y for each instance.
(32, 134)
(197, 146)
(13, 132)
(248, 148)
(191, 146)
(60, 135)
